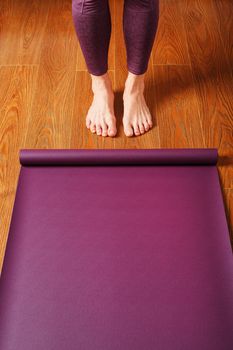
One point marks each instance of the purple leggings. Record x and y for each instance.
(92, 21)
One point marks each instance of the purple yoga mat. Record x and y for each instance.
(117, 250)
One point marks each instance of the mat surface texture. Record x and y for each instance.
(117, 250)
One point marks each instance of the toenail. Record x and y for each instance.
(129, 134)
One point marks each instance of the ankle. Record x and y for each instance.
(134, 84)
(101, 83)
(133, 90)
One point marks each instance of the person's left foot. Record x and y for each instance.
(137, 118)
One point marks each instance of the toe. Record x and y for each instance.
(111, 132)
(93, 127)
(149, 121)
(111, 128)
(128, 129)
(146, 125)
(88, 122)
(136, 129)
(104, 129)
(98, 129)
(141, 128)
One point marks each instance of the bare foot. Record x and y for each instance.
(100, 118)
(137, 118)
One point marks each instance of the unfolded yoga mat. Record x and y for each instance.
(117, 250)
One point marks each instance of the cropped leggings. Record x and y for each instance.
(92, 21)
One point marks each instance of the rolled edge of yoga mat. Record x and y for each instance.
(165, 156)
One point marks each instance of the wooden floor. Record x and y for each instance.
(46, 89)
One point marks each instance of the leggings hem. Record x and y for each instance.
(136, 72)
(97, 74)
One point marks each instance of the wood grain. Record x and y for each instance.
(16, 96)
(170, 46)
(177, 108)
(22, 26)
(224, 11)
(52, 110)
(213, 80)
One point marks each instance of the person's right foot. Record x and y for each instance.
(100, 118)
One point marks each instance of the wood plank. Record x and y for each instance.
(6, 210)
(170, 46)
(224, 13)
(177, 108)
(212, 77)
(22, 27)
(16, 96)
(51, 117)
